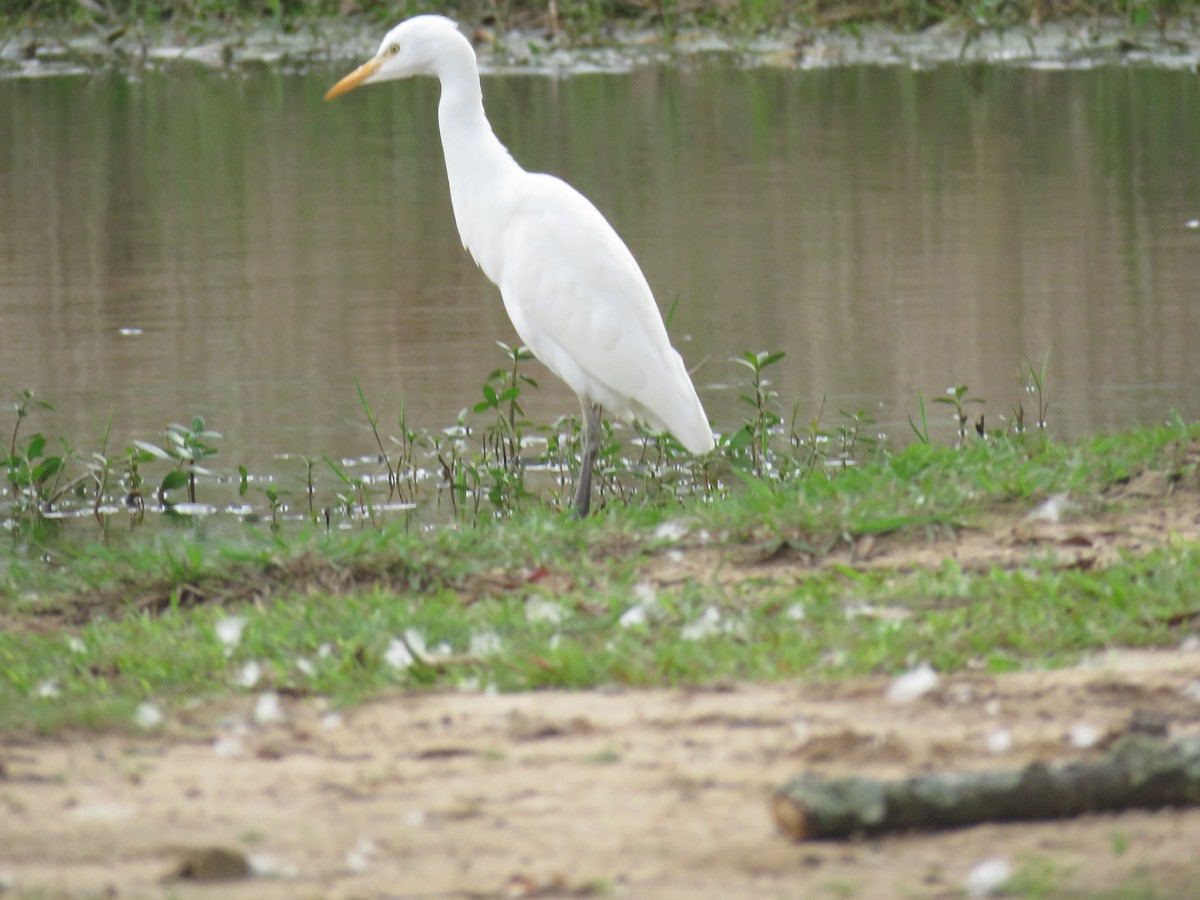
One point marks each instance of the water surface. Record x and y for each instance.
(231, 246)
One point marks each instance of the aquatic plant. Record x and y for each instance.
(492, 461)
(186, 446)
(957, 397)
(31, 472)
(763, 403)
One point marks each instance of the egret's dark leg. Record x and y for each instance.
(591, 447)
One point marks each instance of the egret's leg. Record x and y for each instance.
(591, 447)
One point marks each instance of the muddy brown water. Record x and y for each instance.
(194, 242)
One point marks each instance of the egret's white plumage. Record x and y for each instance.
(570, 285)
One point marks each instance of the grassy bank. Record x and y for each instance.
(866, 570)
(587, 19)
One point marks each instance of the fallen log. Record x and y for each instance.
(1139, 772)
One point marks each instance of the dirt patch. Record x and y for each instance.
(645, 794)
(1139, 516)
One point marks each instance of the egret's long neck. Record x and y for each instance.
(477, 164)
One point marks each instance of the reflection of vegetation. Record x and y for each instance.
(493, 462)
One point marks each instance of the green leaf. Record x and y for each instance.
(670, 316)
(739, 439)
(922, 433)
(153, 450)
(339, 471)
(362, 401)
(47, 468)
(174, 480)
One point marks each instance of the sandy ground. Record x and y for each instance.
(657, 794)
(640, 794)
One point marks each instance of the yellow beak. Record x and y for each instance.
(354, 79)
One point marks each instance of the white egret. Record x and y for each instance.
(570, 285)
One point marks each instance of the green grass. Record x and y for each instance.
(1041, 878)
(92, 630)
(587, 20)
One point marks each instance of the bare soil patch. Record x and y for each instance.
(1137, 517)
(660, 793)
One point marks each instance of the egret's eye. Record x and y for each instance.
(394, 49)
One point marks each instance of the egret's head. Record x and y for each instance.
(413, 47)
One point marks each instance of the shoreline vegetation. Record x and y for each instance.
(999, 552)
(492, 462)
(573, 18)
(798, 550)
(580, 35)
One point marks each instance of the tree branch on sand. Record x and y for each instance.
(1139, 772)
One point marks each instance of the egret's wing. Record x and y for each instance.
(580, 301)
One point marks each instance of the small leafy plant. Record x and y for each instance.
(754, 437)
(186, 447)
(30, 471)
(957, 398)
(502, 398)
